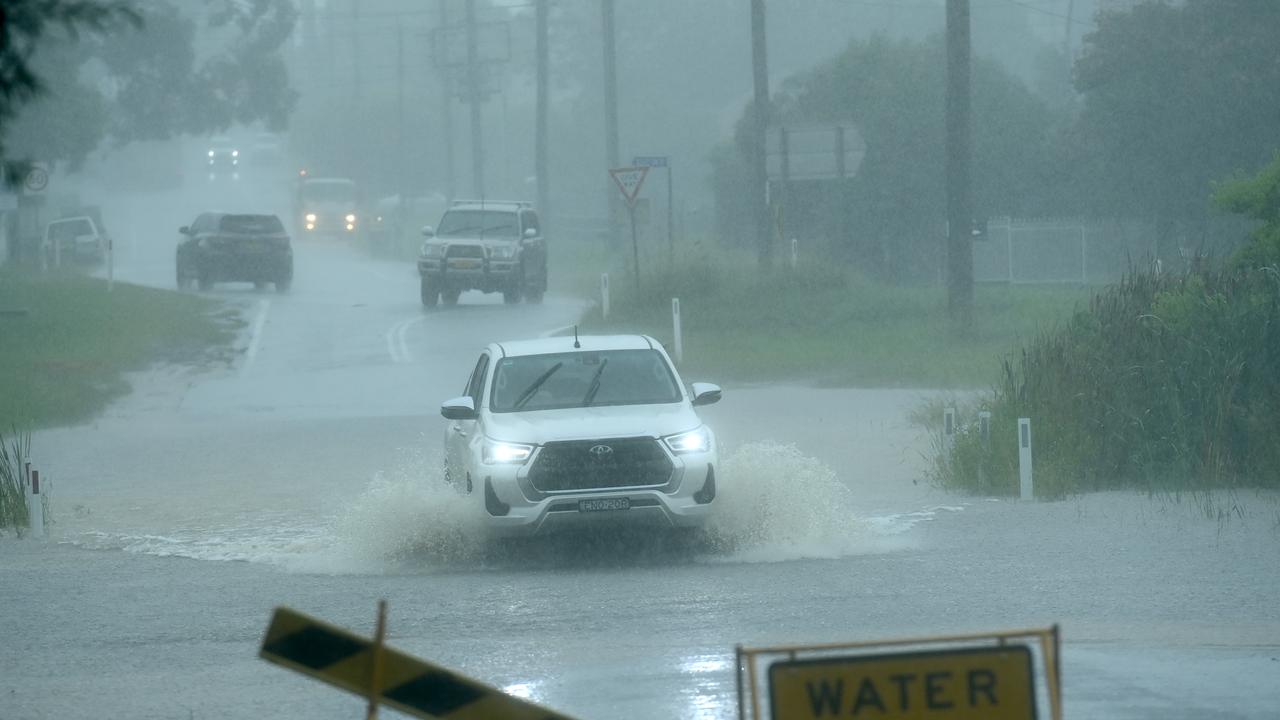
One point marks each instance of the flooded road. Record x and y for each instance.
(305, 472)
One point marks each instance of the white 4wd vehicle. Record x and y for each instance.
(564, 432)
(485, 245)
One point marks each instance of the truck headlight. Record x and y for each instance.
(498, 452)
(351, 217)
(502, 252)
(432, 250)
(311, 217)
(689, 442)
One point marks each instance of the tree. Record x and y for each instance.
(24, 26)
(891, 217)
(182, 70)
(1174, 97)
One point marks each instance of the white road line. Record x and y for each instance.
(397, 342)
(255, 337)
(393, 347)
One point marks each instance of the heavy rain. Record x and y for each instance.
(620, 359)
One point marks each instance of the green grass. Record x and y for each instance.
(824, 324)
(13, 500)
(65, 342)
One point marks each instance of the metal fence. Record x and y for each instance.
(1062, 250)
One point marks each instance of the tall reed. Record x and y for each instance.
(13, 500)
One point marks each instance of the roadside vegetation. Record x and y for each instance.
(68, 342)
(1161, 384)
(821, 322)
(13, 500)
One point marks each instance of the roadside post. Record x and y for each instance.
(604, 295)
(663, 162)
(984, 434)
(375, 669)
(675, 329)
(1026, 490)
(111, 264)
(794, 257)
(629, 180)
(35, 504)
(948, 431)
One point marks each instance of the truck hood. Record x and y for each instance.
(542, 426)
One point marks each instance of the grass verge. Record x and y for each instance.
(13, 499)
(67, 342)
(825, 324)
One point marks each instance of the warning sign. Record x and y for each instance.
(629, 180)
(979, 683)
(410, 685)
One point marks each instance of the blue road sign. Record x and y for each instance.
(649, 161)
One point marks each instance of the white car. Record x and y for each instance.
(74, 239)
(566, 431)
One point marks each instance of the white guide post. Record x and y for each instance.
(111, 264)
(794, 253)
(35, 506)
(948, 431)
(1026, 490)
(675, 329)
(604, 295)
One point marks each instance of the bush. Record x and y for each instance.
(1162, 384)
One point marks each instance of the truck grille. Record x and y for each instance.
(584, 465)
(466, 251)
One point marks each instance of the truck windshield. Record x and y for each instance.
(495, 223)
(581, 379)
(329, 191)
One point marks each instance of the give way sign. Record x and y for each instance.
(629, 180)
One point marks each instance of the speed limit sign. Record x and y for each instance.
(37, 178)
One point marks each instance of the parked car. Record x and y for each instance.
(221, 247)
(74, 239)
(487, 246)
(566, 431)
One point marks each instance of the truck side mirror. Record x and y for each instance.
(530, 233)
(185, 230)
(428, 231)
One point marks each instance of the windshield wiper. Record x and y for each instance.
(533, 387)
(594, 387)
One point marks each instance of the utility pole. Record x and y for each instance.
(446, 107)
(610, 111)
(759, 127)
(473, 80)
(959, 143)
(400, 151)
(540, 122)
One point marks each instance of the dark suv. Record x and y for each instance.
(219, 247)
(489, 246)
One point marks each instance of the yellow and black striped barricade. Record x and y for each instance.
(406, 683)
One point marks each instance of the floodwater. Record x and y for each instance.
(305, 472)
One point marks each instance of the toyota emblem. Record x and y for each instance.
(601, 451)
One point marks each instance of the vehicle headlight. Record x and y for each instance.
(689, 442)
(210, 153)
(431, 250)
(351, 217)
(311, 217)
(235, 153)
(498, 452)
(502, 252)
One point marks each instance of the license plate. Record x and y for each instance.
(604, 504)
(466, 264)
